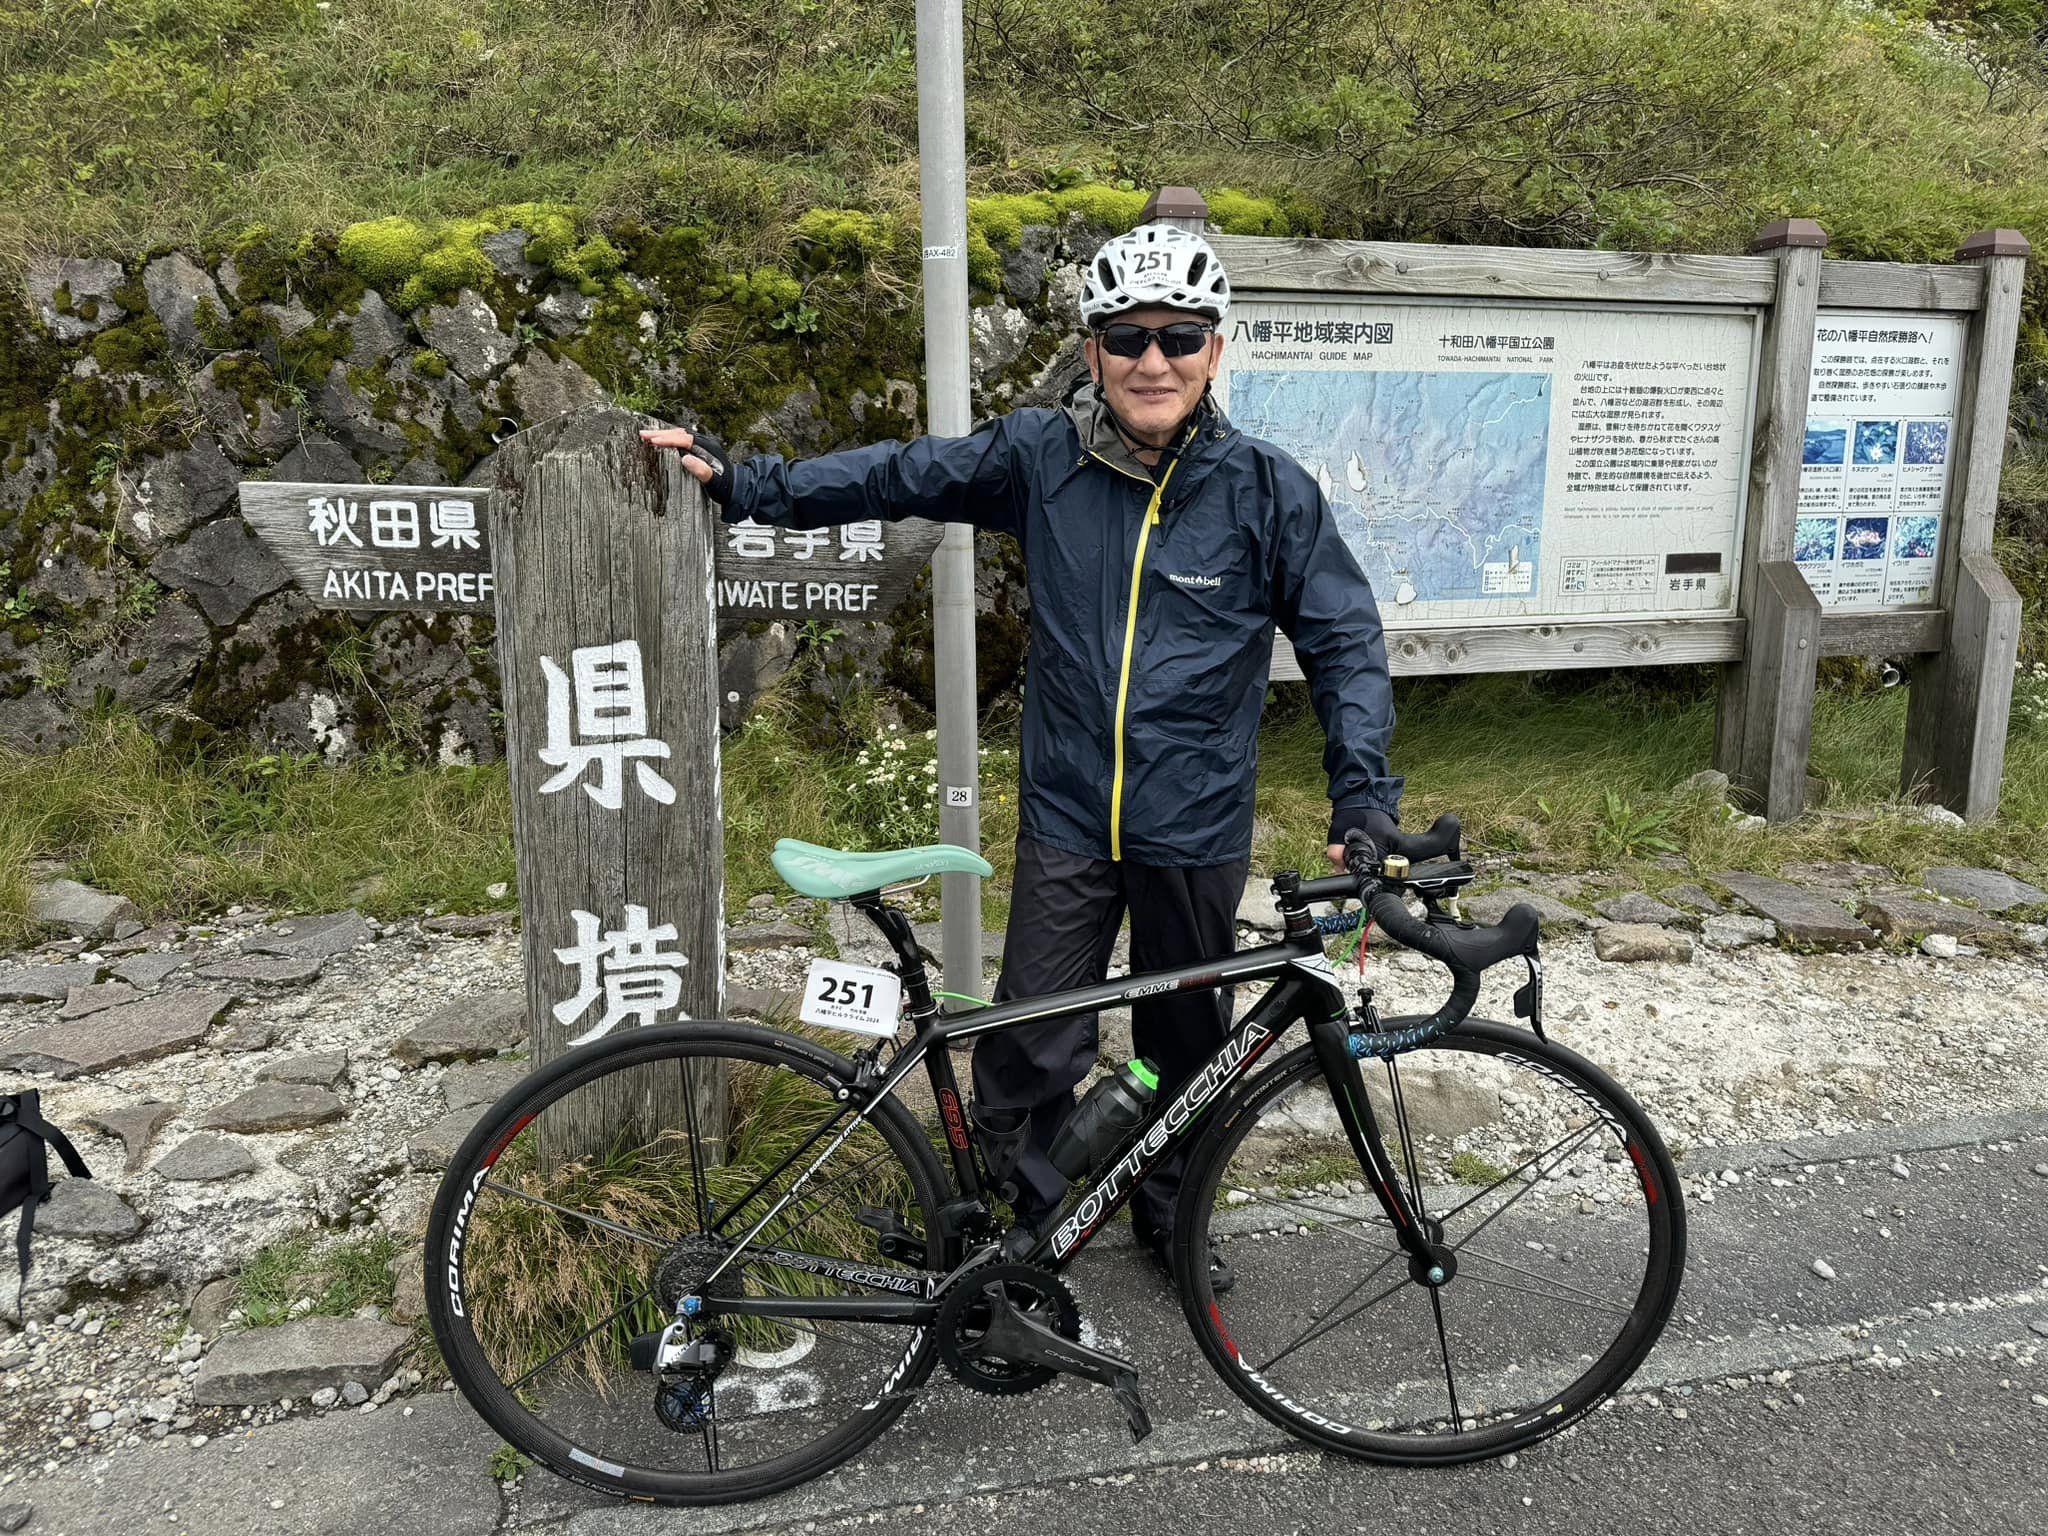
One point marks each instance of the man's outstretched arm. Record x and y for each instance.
(971, 479)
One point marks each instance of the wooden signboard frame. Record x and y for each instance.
(1770, 647)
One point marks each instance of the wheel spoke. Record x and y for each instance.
(1338, 1220)
(1570, 1301)
(711, 1425)
(1574, 1137)
(1328, 1328)
(1506, 1205)
(590, 1332)
(820, 1199)
(1436, 1302)
(697, 1187)
(563, 1210)
(1591, 1298)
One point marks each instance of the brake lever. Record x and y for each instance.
(1529, 996)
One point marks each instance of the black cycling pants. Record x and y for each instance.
(1064, 914)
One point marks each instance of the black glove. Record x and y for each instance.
(1374, 822)
(711, 451)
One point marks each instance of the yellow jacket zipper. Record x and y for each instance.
(1123, 683)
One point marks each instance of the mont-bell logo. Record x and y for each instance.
(1180, 579)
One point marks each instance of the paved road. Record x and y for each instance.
(1896, 1395)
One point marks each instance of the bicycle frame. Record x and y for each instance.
(1307, 990)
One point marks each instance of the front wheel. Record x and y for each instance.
(629, 1175)
(1545, 1184)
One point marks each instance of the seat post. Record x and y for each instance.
(895, 927)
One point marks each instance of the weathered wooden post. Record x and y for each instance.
(1962, 696)
(604, 557)
(1765, 726)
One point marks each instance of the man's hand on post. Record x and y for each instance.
(704, 456)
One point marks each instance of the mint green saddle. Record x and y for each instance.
(832, 874)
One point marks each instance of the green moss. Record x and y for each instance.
(1239, 213)
(423, 263)
(448, 268)
(430, 364)
(385, 251)
(1105, 207)
(1002, 218)
(249, 379)
(845, 234)
(131, 346)
(594, 258)
(304, 358)
(214, 328)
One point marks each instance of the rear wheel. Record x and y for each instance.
(575, 1218)
(1543, 1181)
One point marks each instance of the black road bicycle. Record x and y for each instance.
(1452, 1238)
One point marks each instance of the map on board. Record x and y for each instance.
(1436, 478)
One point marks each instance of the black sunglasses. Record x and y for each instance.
(1184, 338)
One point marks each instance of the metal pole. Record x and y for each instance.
(942, 163)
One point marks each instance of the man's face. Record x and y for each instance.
(1153, 394)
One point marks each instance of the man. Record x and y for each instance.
(1161, 545)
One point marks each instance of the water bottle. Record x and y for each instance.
(1110, 1111)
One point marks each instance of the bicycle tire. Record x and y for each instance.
(467, 1175)
(1331, 1425)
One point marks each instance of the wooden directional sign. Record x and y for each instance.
(378, 548)
(427, 549)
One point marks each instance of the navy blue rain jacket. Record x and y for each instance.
(1145, 750)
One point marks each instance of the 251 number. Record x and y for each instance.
(846, 994)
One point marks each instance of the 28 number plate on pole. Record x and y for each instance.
(862, 998)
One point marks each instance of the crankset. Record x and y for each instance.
(1007, 1328)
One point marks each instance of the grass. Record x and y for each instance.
(182, 838)
(339, 1278)
(1471, 1168)
(1578, 771)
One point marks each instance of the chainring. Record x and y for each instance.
(963, 1317)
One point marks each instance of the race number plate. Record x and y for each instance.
(862, 998)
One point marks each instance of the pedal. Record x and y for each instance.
(1125, 1390)
(893, 1239)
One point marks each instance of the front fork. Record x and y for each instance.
(1430, 1261)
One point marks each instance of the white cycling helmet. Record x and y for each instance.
(1158, 264)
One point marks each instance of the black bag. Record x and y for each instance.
(25, 1142)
